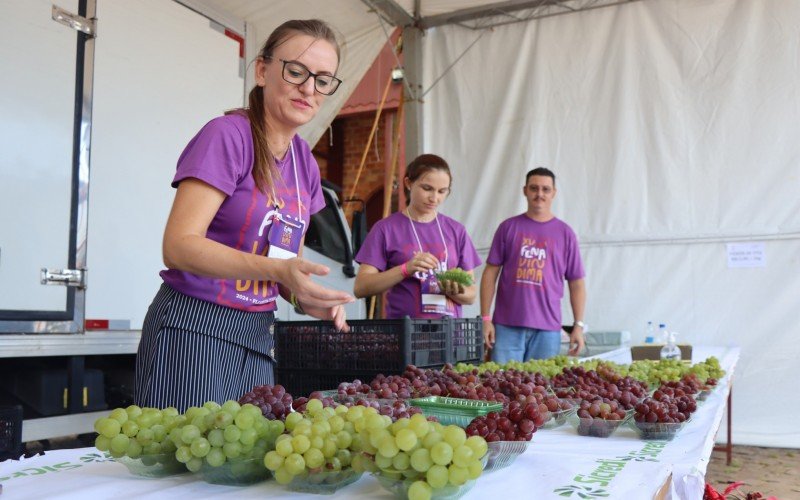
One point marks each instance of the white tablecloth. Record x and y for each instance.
(560, 464)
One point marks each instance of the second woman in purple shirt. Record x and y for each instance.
(403, 252)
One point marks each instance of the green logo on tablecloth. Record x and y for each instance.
(47, 469)
(607, 470)
(581, 491)
(96, 457)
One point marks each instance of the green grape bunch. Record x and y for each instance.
(212, 434)
(427, 455)
(215, 434)
(137, 432)
(321, 439)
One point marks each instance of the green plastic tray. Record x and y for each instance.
(455, 411)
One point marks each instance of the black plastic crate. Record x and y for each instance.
(313, 356)
(380, 346)
(10, 432)
(467, 340)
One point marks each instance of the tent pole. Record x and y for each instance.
(412, 58)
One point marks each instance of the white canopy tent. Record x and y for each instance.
(671, 125)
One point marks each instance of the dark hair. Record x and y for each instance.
(264, 170)
(423, 164)
(542, 171)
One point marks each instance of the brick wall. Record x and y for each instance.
(355, 131)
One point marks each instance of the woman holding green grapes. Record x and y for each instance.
(424, 259)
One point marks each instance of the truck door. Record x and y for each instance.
(159, 72)
(44, 144)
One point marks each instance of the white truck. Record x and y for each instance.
(93, 116)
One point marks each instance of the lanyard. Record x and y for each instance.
(296, 185)
(419, 243)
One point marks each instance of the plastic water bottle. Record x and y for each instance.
(671, 350)
(662, 333)
(649, 336)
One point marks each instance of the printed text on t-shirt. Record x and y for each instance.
(532, 259)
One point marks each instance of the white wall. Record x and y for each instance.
(672, 126)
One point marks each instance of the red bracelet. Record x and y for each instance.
(404, 270)
(486, 317)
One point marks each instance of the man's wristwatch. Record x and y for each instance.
(580, 324)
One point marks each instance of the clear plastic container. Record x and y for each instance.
(670, 349)
(657, 430)
(704, 393)
(573, 400)
(595, 427)
(236, 472)
(161, 465)
(503, 453)
(558, 418)
(399, 488)
(323, 482)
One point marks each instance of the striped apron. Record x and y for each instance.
(193, 351)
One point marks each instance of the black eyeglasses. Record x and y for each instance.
(297, 73)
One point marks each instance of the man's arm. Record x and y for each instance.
(488, 287)
(577, 299)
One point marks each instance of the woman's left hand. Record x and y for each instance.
(451, 288)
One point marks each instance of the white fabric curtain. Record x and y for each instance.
(672, 127)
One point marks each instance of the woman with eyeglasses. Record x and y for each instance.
(247, 185)
(404, 252)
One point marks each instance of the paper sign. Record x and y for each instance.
(747, 255)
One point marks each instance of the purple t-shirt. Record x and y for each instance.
(391, 242)
(221, 155)
(536, 257)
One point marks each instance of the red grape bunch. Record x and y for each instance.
(599, 417)
(275, 403)
(514, 423)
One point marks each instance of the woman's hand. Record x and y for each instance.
(337, 314)
(451, 288)
(296, 276)
(422, 261)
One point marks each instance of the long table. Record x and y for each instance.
(559, 464)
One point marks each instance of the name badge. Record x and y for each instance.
(433, 301)
(285, 235)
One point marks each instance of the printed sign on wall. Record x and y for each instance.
(747, 254)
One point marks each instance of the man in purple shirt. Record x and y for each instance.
(532, 253)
